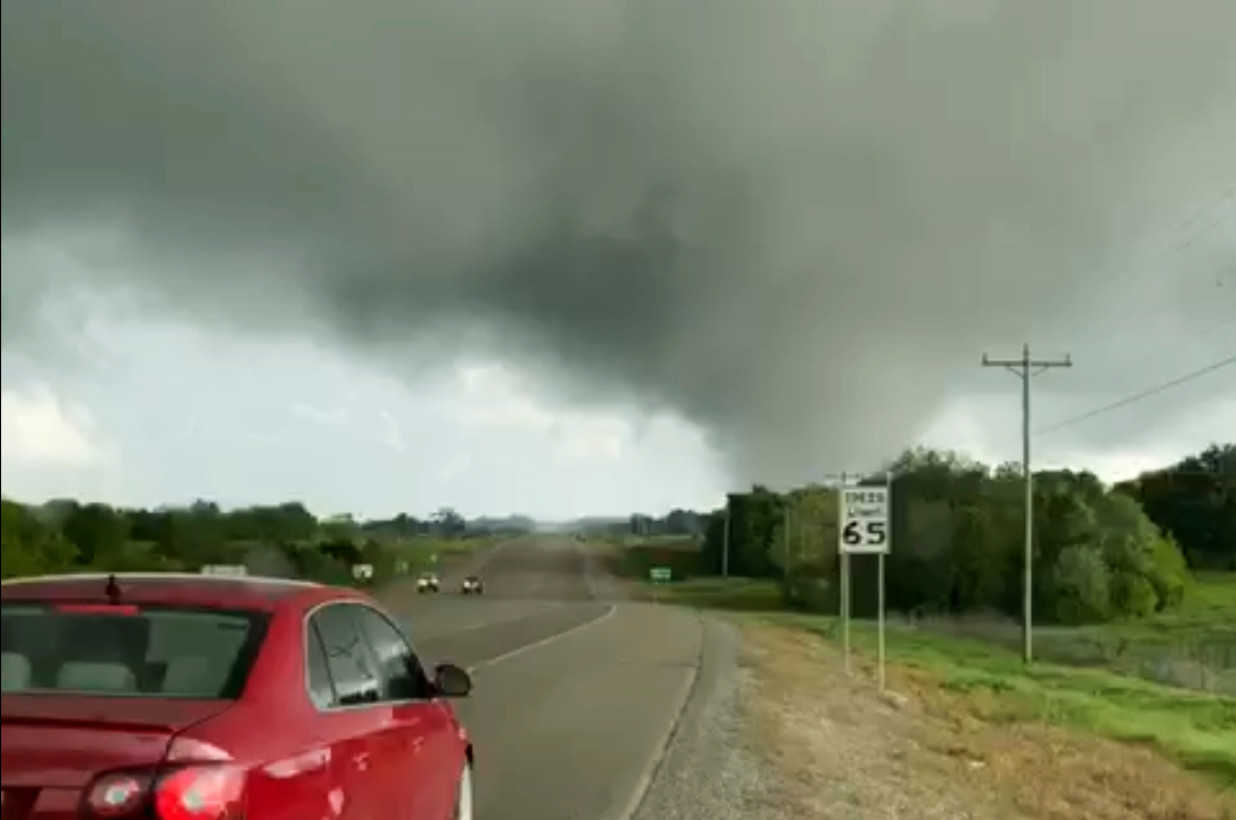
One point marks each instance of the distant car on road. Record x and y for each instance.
(472, 585)
(198, 697)
(427, 583)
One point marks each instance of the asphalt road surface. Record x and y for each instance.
(575, 693)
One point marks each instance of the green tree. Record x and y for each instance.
(449, 523)
(1194, 501)
(1081, 586)
(98, 531)
(30, 547)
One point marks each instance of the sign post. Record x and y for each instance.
(659, 577)
(863, 526)
(844, 556)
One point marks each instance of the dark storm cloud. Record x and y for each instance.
(788, 220)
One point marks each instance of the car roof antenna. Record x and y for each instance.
(112, 591)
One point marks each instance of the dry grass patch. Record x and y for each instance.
(931, 751)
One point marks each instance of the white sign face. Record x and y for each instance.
(863, 520)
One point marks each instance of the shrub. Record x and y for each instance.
(1082, 586)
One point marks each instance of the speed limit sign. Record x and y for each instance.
(863, 520)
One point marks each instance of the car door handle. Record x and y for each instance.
(361, 761)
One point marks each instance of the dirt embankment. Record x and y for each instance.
(844, 751)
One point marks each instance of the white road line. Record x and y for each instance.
(519, 650)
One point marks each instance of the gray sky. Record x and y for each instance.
(563, 257)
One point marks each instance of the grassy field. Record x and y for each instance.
(411, 555)
(429, 545)
(1193, 646)
(1091, 678)
(425, 552)
(734, 594)
(1196, 729)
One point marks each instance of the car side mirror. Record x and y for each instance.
(452, 681)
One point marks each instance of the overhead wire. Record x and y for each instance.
(1185, 233)
(1136, 397)
(1230, 193)
(1180, 232)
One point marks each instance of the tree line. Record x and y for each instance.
(958, 538)
(1195, 501)
(66, 535)
(957, 530)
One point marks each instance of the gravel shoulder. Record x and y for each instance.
(710, 771)
(706, 771)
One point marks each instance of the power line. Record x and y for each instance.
(1181, 227)
(1136, 397)
(1179, 231)
(1209, 229)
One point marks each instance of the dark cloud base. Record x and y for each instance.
(789, 222)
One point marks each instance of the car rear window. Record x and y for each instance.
(128, 651)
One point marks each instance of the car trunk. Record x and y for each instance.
(52, 747)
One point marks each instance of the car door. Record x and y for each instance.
(354, 717)
(422, 735)
(304, 782)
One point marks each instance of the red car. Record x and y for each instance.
(193, 697)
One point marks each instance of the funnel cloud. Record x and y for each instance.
(790, 222)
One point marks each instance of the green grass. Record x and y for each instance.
(423, 553)
(448, 546)
(738, 594)
(1193, 645)
(1197, 729)
(680, 542)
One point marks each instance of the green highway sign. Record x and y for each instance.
(660, 575)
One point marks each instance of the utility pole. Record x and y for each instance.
(725, 543)
(1025, 369)
(785, 535)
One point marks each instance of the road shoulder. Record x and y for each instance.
(927, 752)
(708, 771)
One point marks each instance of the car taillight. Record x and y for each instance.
(199, 792)
(117, 795)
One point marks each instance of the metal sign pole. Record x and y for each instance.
(845, 578)
(845, 609)
(880, 603)
(785, 540)
(880, 628)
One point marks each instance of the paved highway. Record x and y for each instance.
(575, 694)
